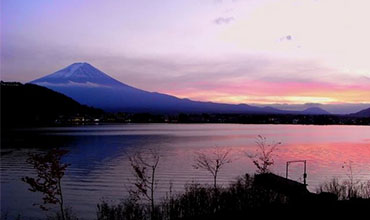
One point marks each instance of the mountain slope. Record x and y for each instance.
(363, 113)
(315, 111)
(34, 105)
(90, 86)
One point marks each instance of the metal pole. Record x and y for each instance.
(304, 174)
(286, 170)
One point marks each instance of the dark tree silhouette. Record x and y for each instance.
(50, 172)
(144, 167)
(263, 159)
(212, 162)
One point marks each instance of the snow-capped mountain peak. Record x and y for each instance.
(78, 73)
(70, 70)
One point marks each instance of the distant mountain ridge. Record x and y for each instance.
(315, 111)
(90, 86)
(362, 113)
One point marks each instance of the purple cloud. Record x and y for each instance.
(223, 20)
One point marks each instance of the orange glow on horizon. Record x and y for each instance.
(271, 93)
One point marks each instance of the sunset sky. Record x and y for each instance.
(237, 51)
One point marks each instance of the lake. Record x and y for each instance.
(100, 169)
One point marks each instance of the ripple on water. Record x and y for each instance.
(100, 168)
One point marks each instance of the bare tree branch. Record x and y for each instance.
(263, 159)
(212, 162)
(144, 166)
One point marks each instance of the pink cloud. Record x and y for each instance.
(264, 91)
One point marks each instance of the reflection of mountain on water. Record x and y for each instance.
(88, 153)
(93, 147)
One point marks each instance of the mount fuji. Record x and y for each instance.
(90, 86)
(79, 74)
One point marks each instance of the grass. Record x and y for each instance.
(244, 198)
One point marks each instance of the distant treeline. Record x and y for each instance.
(238, 118)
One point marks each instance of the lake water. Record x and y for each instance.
(100, 168)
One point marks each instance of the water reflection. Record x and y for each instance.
(99, 166)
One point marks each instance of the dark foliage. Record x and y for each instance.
(50, 172)
(243, 199)
(238, 200)
(128, 210)
(346, 190)
(32, 105)
(68, 215)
